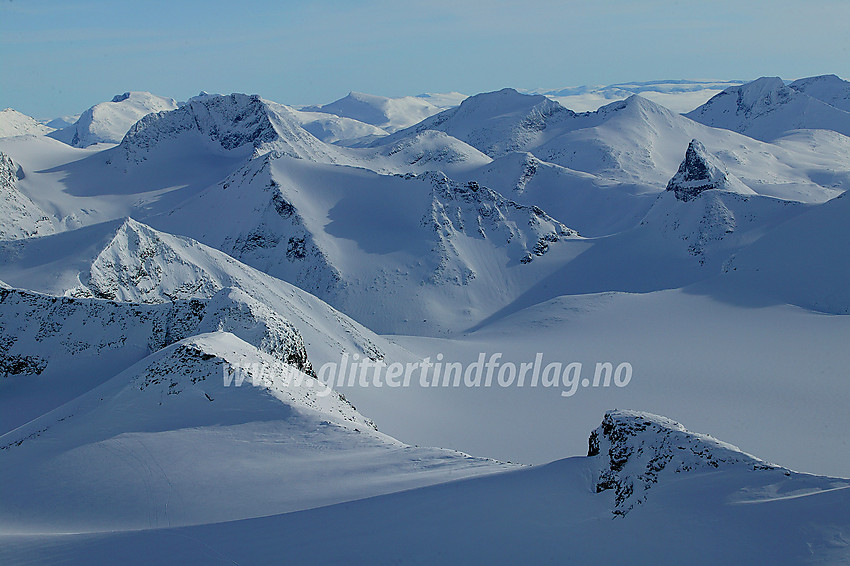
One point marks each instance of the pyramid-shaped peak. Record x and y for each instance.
(700, 171)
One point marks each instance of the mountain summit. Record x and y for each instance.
(699, 172)
(766, 109)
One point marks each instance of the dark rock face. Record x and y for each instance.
(638, 450)
(696, 174)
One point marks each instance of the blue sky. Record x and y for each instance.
(60, 57)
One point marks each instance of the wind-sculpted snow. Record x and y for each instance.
(107, 122)
(209, 414)
(20, 217)
(766, 109)
(637, 450)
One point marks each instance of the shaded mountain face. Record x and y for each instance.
(803, 262)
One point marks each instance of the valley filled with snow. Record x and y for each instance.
(562, 326)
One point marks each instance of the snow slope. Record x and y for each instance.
(392, 251)
(107, 122)
(336, 129)
(13, 123)
(176, 443)
(129, 261)
(57, 349)
(826, 88)
(546, 514)
(766, 109)
(802, 262)
(22, 218)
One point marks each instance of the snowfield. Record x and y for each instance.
(189, 290)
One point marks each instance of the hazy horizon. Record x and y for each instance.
(64, 58)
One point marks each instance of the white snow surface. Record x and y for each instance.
(107, 122)
(831, 89)
(742, 505)
(676, 95)
(766, 109)
(389, 114)
(168, 296)
(13, 123)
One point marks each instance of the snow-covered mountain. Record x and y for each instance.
(638, 450)
(168, 301)
(766, 109)
(800, 263)
(107, 122)
(700, 172)
(635, 143)
(22, 218)
(13, 123)
(711, 211)
(826, 88)
(129, 261)
(239, 123)
(384, 249)
(56, 341)
(496, 123)
(389, 114)
(676, 95)
(207, 414)
(340, 130)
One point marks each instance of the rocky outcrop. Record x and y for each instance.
(637, 450)
(474, 210)
(700, 171)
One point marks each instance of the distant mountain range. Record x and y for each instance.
(152, 251)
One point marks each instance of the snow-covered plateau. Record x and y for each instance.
(198, 300)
